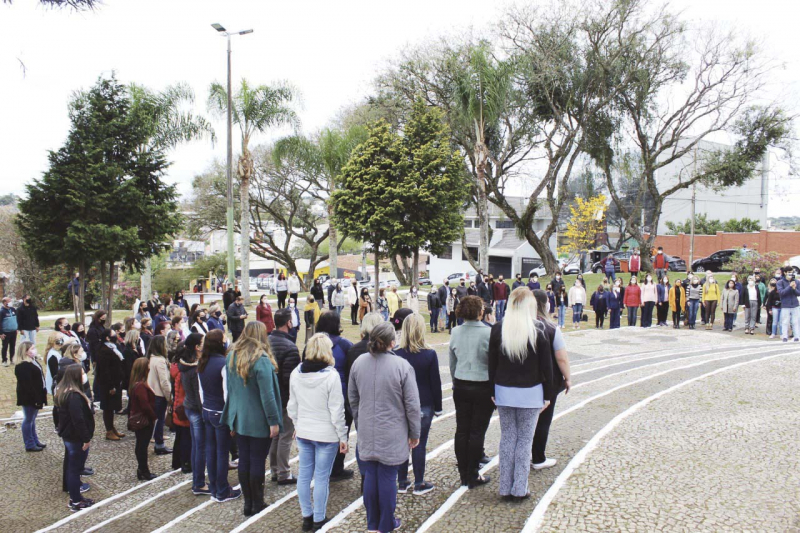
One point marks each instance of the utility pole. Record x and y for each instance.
(694, 208)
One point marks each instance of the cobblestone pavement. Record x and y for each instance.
(624, 483)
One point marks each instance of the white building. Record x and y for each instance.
(749, 200)
(508, 254)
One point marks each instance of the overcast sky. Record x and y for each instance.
(330, 50)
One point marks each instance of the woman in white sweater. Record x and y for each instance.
(577, 299)
(316, 406)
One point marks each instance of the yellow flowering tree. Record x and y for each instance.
(587, 218)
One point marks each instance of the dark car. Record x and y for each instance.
(676, 264)
(714, 262)
(599, 267)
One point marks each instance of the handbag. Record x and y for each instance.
(137, 421)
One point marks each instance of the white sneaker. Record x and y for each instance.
(548, 463)
(772, 336)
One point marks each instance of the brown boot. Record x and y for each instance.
(117, 433)
(111, 435)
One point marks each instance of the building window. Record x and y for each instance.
(447, 253)
(468, 223)
(473, 252)
(504, 224)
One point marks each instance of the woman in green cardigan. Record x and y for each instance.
(253, 409)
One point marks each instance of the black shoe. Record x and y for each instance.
(318, 525)
(341, 476)
(145, 476)
(521, 498)
(87, 472)
(34, 449)
(308, 523)
(274, 478)
(477, 482)
(42, 446)
(288, 481)
(483, 461)
(186, 469)
(247, 492)
(163, 451)
(507, 498)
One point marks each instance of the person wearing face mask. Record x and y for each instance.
(472, 290)
(331, 287)
(557, 283)
(533, 283)
(8, 330)
(28, 319)
(599, 304)
(159, 316)
(517, 282)
(412, 302)
(95, 332)
(615, 303)
(635, 264)
(318, 293)
(461, 290)
(294, 286)
(109, 373)
(694, 294)
(237, 314)
(633, 300)
(295, 322)
(762, 290)
(500, 293)
(662, 305)
(365, 303)
(789, 290)
(52, 355)
(660, 264)
(79, 331)
(649, 298)
(729, 304)
(740, 289)
(677, 303)
(215, 318)
(711, 297)
(352, 301)
(772, 304)
(264, 312)
(444, 294)
(198, 322)
(577, 298)
(751, 305)
(610, 267)
(31, 392)
(551, 300)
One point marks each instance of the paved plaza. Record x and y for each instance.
(664, 430)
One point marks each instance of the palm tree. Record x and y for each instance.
(324, 156)
(482, 90)
(170, 124)
(255, 109)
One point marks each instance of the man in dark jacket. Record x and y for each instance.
(501, 293)
(443, 292)
(461, 290)
(788, 288)
(331, 288)
(229, 296)
(288, 357)
(434, 305)
(28, 319)
(518, 282)
(236, 317)
(8, 329)
(485, 293)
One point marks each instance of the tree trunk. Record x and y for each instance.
(102, 302)
(110, 291)
(465, 251)
(82, 292)
(482, 207)
(401, 277)
(415, 267)
(364, 275)
(406, 271)
(245, 171)
(146, 282)
(333, 238)
(377, 276)
(543, 249)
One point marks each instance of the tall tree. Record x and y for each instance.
(368, 205)
(683, 87)
(77, 206)
(324, 158)
(255, 110)
(165, 116)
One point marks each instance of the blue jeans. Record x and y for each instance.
(418, 453)
(76, 460)
(253, 453)
(29, 336)
(197, 427)
(161, 413)
(316, 461)
(380, 494)
(218, 445)
(500, 309)
(729, 320)
(611, 275)
(692, 310)
(632, 313)
(561, 313)
(339, 309)
(385, 315)
(790, 315)
(613, 317)
(29, 427)
(434, 319)
(577, 313)
(776, 320)
(446, 317)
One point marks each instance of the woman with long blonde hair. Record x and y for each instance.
(316, 406)
(521, 368)
(415, 350)
(31, 392)
(253, 409)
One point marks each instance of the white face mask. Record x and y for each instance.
(83, 357)
(85, 378)
(751, 283)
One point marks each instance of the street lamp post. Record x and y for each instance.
(229, 210)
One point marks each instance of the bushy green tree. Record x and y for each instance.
(704, 226)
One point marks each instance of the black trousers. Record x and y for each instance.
(293, 296)
(9, 345)
(338, 463)
(647, 314)
(542, 432)
(282, 299)
(354, 314)
(599, 318)
(676, 318)
(661, 311)
(142, 443)
(108, 418)
(235, 334)
(474, 407)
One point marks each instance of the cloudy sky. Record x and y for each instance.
(330, 50)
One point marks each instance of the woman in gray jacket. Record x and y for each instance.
(385, 403)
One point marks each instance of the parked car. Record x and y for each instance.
(714, 262)
(598, 267)
(676, 264)
(458, 275)
(571, 268)
(424, 281)
(538, 268)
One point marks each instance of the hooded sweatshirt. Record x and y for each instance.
(316, 403)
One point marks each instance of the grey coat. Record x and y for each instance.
(385, 403)
(469, 351)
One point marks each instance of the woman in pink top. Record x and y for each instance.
(649, 299)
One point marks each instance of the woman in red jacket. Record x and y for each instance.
(182, 448)
(142, 415)
(264, 314)
(633, 300)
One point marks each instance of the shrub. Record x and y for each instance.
(126, 295)
(171, 280)
(745, 264)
